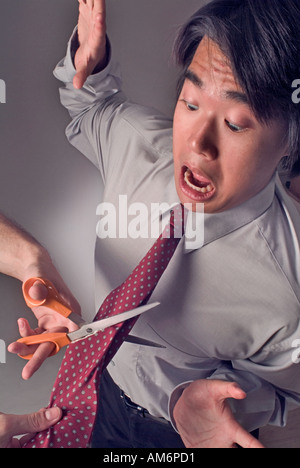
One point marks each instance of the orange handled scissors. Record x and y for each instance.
(56, 303)
(53, 300)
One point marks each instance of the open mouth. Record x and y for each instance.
(198, 185)
(195, 185)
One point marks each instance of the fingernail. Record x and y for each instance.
(52, 414)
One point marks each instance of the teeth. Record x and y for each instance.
(206, 189)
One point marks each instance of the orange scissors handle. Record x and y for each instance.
(53, 299)
(58, 339)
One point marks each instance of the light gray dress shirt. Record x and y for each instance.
(230, 309)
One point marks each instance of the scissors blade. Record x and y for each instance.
(92, 328)
(77, 319)
(143, 342)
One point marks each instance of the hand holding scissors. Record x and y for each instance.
(57, 339)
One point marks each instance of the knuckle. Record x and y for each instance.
(35, 421)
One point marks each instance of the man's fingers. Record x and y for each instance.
(222, 390)
(246, 440)
(80, 78)
(12, 425)
(88, 3)
(97, 5)
(32, 423)
(100, 23)
(21, 348)
(235, 391)
(100, 5)
(25, 329)
(41, 354)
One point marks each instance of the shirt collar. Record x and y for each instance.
(206, 228)
(220, 224)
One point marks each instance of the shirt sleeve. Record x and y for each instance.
(271, 381)
(87, 105)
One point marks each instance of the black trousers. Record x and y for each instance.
(122, 424)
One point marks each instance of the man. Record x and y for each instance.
(22, 257)
(229, 310)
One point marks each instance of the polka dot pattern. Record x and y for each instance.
(75, 388)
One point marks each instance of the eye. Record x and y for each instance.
(234, 128)
(189, 106)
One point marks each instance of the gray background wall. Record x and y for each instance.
(45, 184)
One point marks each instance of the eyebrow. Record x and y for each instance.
(231, 95)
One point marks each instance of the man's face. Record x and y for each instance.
(223, 155)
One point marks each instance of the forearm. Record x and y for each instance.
(19, 251)
(87, 105)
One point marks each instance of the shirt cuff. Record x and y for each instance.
(65, 69)
(74, 44)
(175, 395)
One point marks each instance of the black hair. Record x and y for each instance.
(261, 39)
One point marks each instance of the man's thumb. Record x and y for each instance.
(36, 422)
(38, 291)
(226, 390)
(80, 78)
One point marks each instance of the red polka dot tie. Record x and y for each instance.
(76, 386)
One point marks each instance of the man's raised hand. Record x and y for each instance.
(91, 53)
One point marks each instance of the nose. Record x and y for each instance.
(203, 138)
